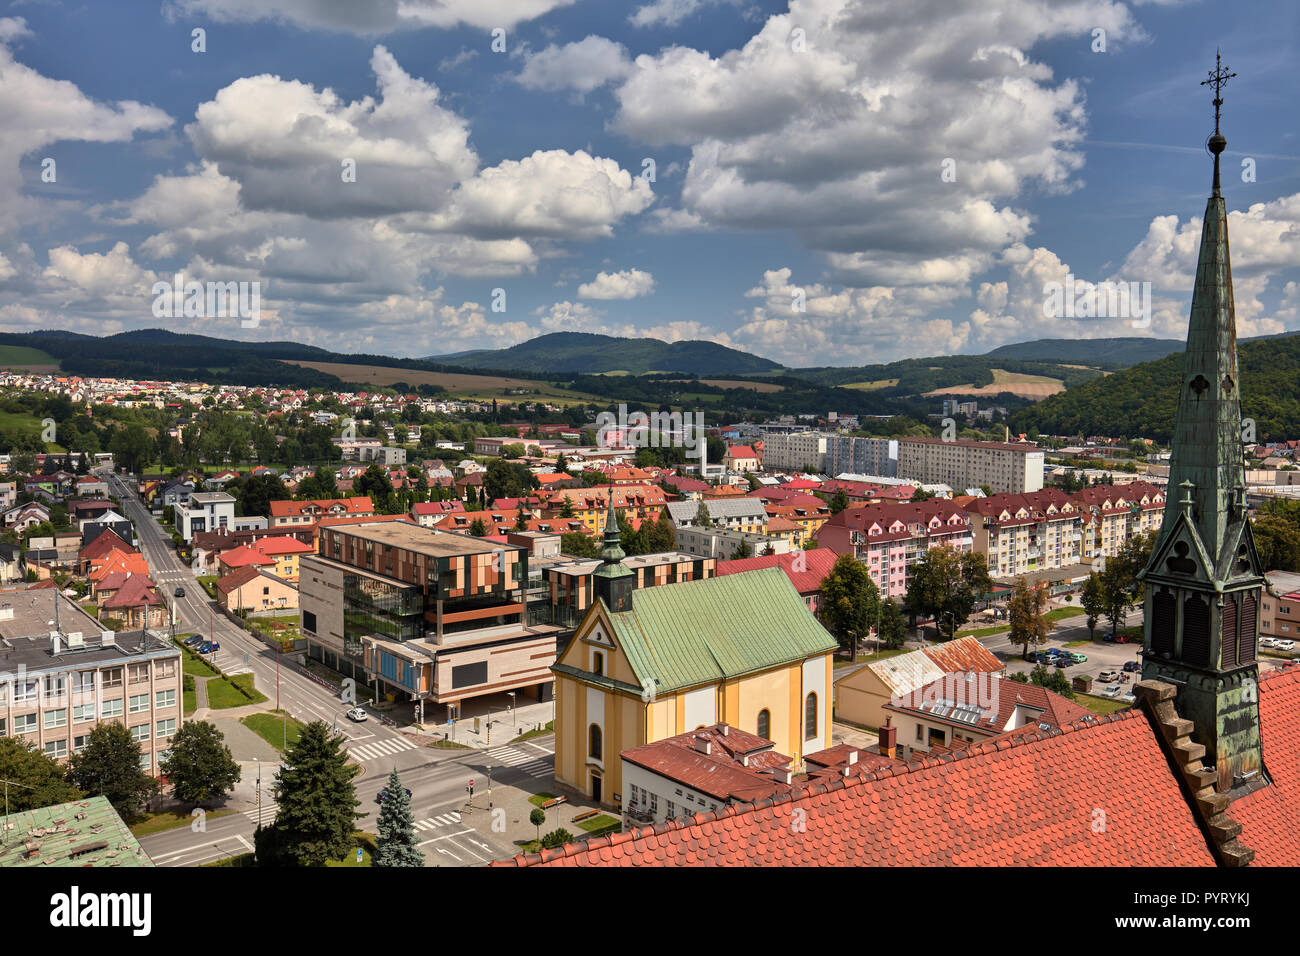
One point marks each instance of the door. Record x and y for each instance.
(595, 787)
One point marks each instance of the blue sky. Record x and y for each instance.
(791, 168)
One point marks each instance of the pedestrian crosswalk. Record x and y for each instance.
(267, 813)
(378, 749)
(530, 764)
(441, 820)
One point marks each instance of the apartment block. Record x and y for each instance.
(1004, 466)
(1112, 513)
(889, 538)
(735, 514)
(1021, 534)
(847, 455)
(796, 451)
(57, 683)
(205, 511)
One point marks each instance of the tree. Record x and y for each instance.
(477, 528)
(566, 507)
(945, 586)
(200, 766)
(537, 817)
(505, 479)
(317, 803)
(561, 464)
(255, 493)
(660, 535)
(374, 484)
(1051, 679)
(1093, 601)
(110, 766)
(397, 845)
(579, 544)
(521, 521)
(839, 501)
(702, 517)
(1026, 611)
(556, 838)
(1278, 543)
(893, 627)
(743, 550)
(849, 599)
(41, 781)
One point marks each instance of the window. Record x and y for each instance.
(654, 803)
(140, 732)
(112, 677)
(139, 673)
(79, 743)
(139, 703)
(56, 748)
(810, 716)
(82, 713)
(595, 743)
(165, 669)
(24, 692)
(56, 718)
(25, 724)
(146, 761)
(54, 686)
(166, 728)
(309, 621)
(919, 733)
(765, 724)
(83, 682)
(672, 810)
(165, 698)
(3, 726)
(111, 708)
(597, 662)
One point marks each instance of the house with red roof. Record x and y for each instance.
(136, 603)
(740, 459)
(805, 569)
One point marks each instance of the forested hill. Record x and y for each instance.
(1142, 401)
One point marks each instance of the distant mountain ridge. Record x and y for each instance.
(587, 352)
(1118, 352)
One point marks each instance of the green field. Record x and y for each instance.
(271, 728)
(237, 691)
(20, 356)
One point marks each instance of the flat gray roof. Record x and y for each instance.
(431, 541)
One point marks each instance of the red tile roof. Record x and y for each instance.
(1032, 799)
(816, 564)
(738, 765)
(347, 506)
(137, 590)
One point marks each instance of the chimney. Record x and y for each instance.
(723, 729)
(852, 758)
(75, 639)
(56, 643)
(888, 740)
(702, 745)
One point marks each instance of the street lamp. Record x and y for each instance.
(512, 706)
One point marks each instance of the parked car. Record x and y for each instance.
(1108, 676)
(382, 795)
(1046, 656)
(209, 647)
(1075, 657)
(1128, 697)
(358, 714)
(1132, 666)
(1123, 639)
(1063, 662)
(194, 640)
(1284, 645)
(1111, 691)
(1268, 642)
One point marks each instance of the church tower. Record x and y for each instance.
(1204, 580)
(613, 581)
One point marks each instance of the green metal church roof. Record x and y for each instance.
(700, 632)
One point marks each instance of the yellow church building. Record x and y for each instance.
(650, 664)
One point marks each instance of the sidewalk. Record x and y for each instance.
(504, 726)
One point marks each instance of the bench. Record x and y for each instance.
(553, 802)
(586, 815)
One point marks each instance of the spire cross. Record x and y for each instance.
(1218, 76)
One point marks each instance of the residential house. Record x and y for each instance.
(205, 511)
(860, 697)
(250, 588)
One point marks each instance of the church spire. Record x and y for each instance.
(1203, 581)
(613, 582)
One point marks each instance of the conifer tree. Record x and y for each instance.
(397, 845)
(317, 803)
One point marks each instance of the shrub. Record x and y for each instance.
(556, 838)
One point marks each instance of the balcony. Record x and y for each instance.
(638, 815)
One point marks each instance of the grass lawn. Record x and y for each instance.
(1100, 705)
(189, 699)
(196, 666)
(448, 745)
(236, 691)
(271, 727)
(1077, 643)
(538, 799)
(1057, 613)
(984, 631)
(529, 734)
(364, 842)
(209, 582)
(600, 825)
(147, 823)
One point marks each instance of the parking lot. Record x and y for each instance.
(1102, 656)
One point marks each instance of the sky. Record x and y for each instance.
(819, 182)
